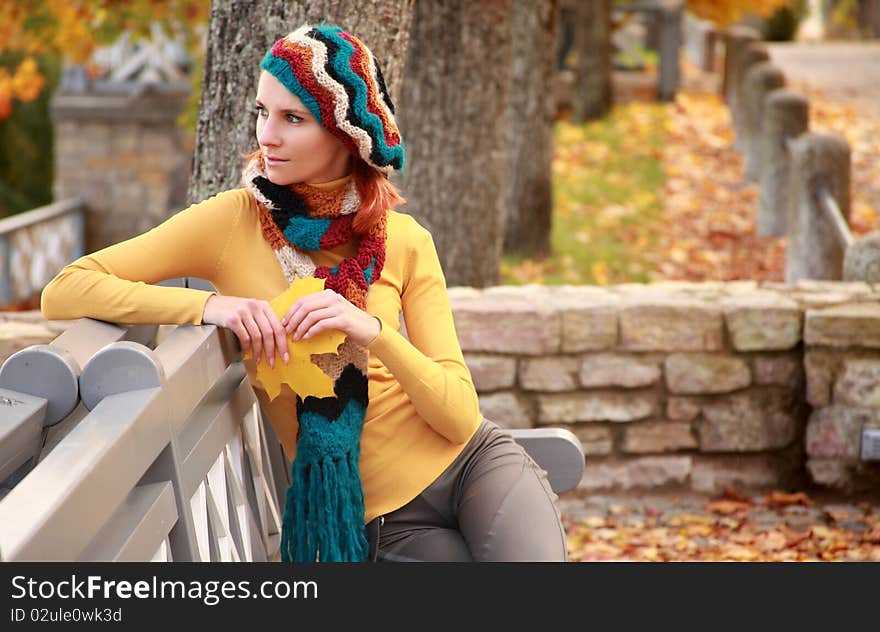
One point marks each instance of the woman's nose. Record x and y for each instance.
(267, 135)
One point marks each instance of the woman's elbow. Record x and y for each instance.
(52, 303)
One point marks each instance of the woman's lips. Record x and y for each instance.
(275, 162)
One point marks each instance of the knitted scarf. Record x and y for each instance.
(324, 514)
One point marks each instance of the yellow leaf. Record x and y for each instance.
(303, 377)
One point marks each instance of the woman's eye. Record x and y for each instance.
(293, 118)
(261, 111)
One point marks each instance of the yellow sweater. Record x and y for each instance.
(423, 406)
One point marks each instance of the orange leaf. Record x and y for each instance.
(781, 499)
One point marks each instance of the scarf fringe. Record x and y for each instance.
(323, 517)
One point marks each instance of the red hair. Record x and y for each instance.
(377, 193)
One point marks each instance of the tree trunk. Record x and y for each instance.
(592, 93)
(453, 118)
(238, 38)
(528, 204)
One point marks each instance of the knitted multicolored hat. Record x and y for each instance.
(337, 78)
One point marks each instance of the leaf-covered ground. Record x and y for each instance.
(655, 191)
(774, 527)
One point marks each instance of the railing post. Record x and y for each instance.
(786, 116)
(754, 53)
(670, 43)
(819, 160)
(736, 39)
(759, 80)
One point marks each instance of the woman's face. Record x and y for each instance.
(295, 146)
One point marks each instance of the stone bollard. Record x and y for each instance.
(753, 54)
(759, 80)
(710, 40)
(736, 39)
(819, 161)
(862, 259)
(786, 116)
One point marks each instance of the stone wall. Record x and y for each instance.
(685, 385)
(692, 386)
(125, 156)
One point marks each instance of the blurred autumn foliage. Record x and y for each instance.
(656, 192)
(72, 29)
(727, 12)
(777, 526)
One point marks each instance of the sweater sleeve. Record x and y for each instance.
(430, 366)
(114, 284)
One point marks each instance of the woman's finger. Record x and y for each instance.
(312, 318)
(253, 331)
(267, 336)
(279, 333)
(335, 322)
(302, 308)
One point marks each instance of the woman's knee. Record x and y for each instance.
(512, 516)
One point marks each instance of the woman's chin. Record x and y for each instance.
(281, 177)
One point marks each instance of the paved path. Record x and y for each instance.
(845, 71)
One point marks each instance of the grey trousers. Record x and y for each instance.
(493, 503)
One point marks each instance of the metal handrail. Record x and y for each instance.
(832, 212)
(40, 214)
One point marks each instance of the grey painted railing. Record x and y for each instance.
(157, 453)
(168, 458)
(36, 244)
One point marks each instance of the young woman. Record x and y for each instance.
(402, 443)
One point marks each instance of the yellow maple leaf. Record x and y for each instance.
(300, 374)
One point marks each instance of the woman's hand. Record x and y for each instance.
(327, 309)
(253, 321)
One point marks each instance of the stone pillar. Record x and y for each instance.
(670, 43)
(786, 116)
(819, 160)
(761, 79)
(119, 148)
(736, 39)
(754, 53)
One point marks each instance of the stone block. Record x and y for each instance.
(682, 409)
(835, 432)
(596, 440)
(658, 436)
(762, 320)
(782, 370)
(491, 372)
(506, 409)
(614, 369)
(589, 319)
(858, 384)
(696, 373)
(821, 368)
(710, 475)
(645, 472)
(549, 373)
(741, 422)
(666, 323)
(506, 325)
(853, 288)
(596, 406)
(462, 292)
(831, 472)
(852, 325)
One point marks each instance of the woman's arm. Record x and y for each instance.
(430, 366)
(114, 284)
